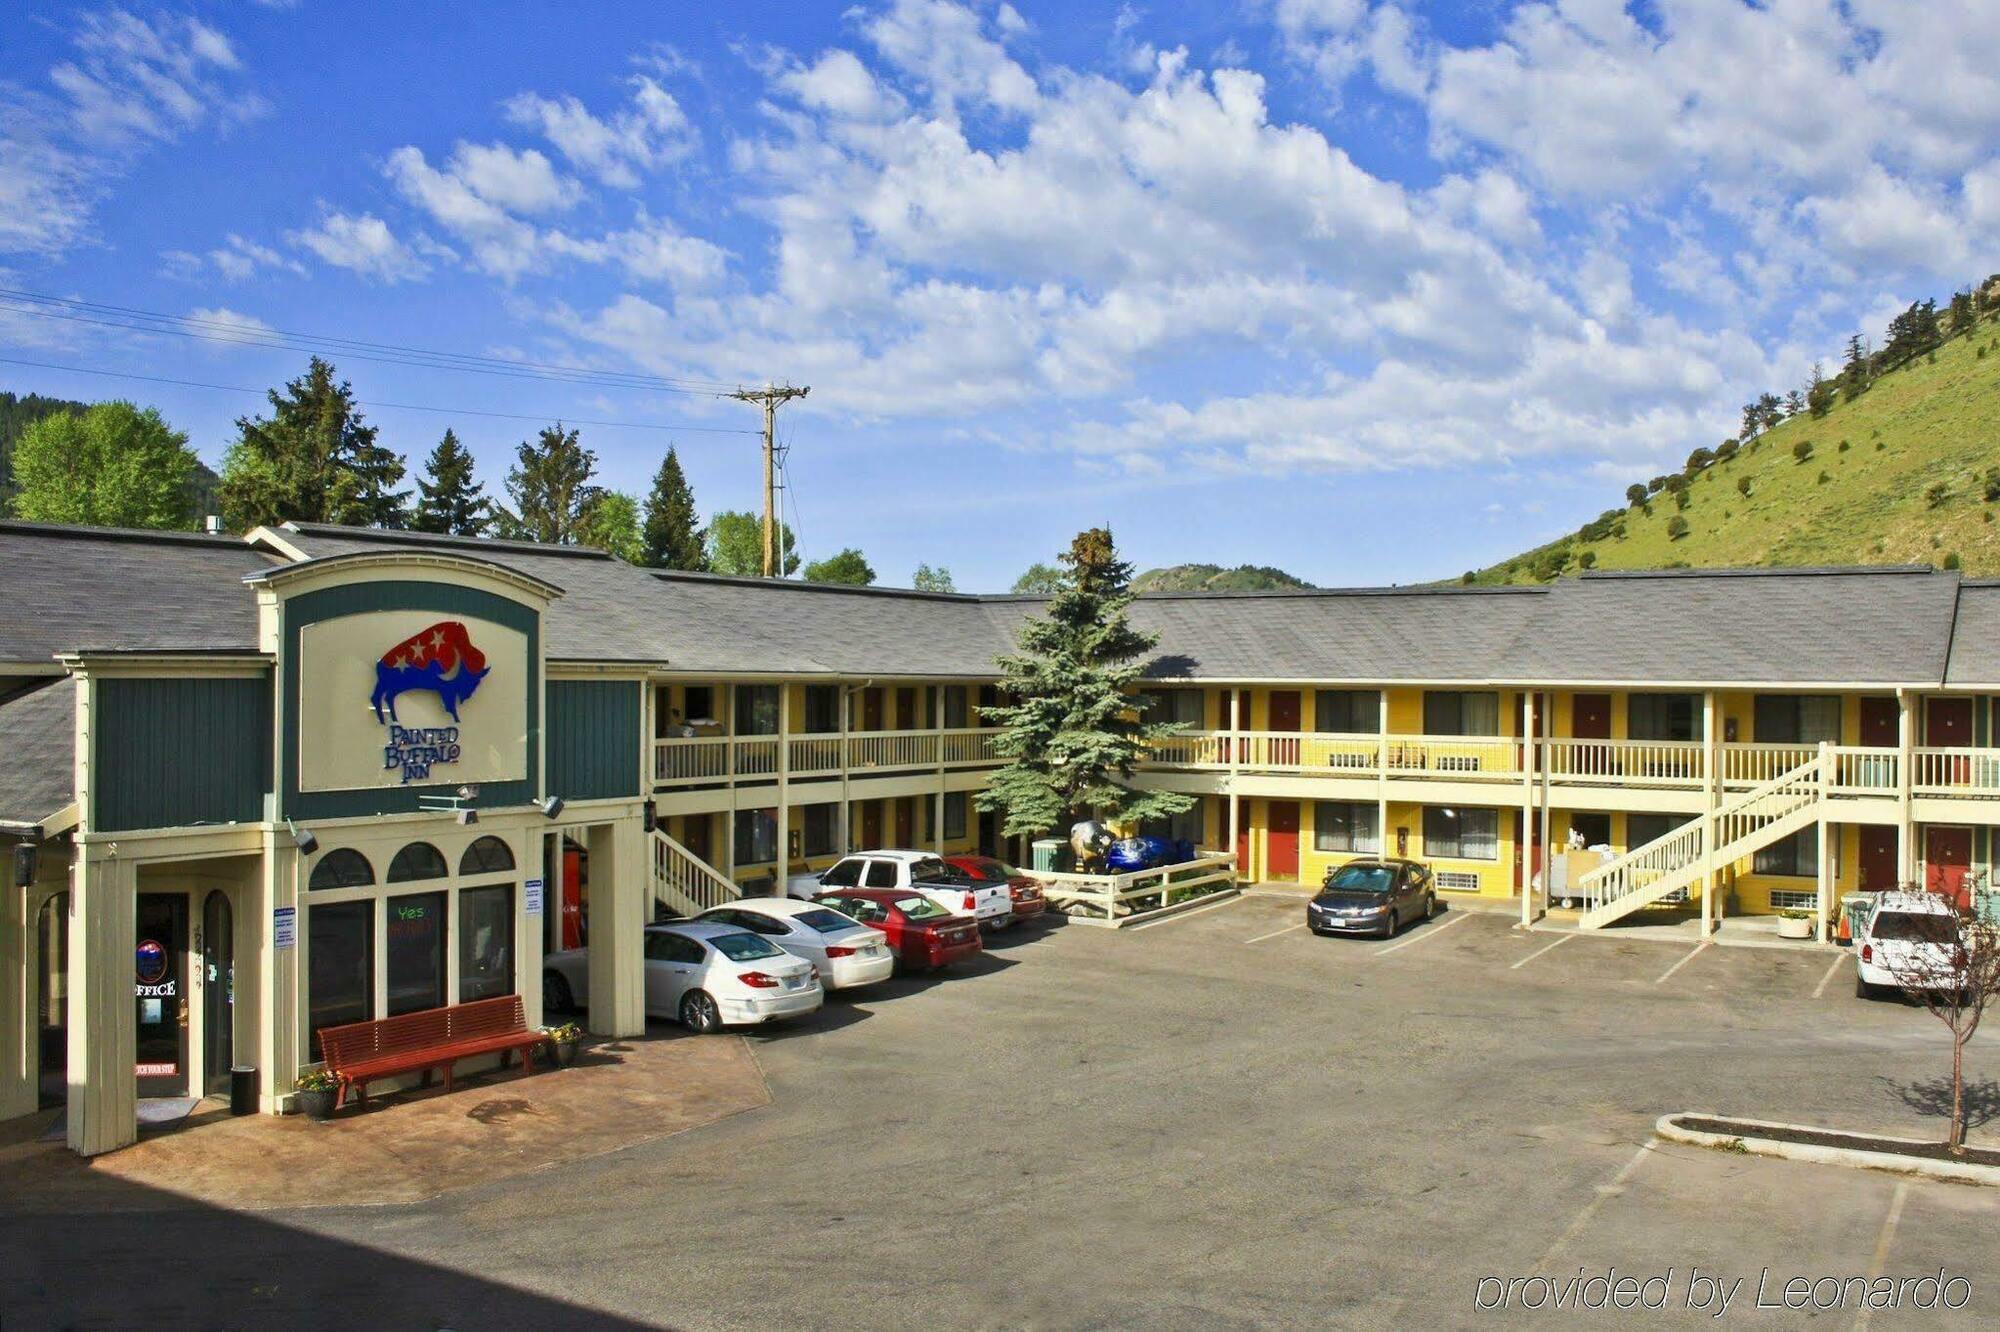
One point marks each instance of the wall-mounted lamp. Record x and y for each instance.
(652, 816)
(303, 838)
(24, 865)
(552, 807)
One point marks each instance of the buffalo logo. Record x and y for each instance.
(440, 659)
(152, 962)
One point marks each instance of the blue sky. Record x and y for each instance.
(1372, 292)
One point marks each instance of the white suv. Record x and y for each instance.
(920, 872)
(1908, 943)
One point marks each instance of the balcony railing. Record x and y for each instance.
(1955, 772)
(708, 759)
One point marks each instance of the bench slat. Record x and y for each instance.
(360, 1052)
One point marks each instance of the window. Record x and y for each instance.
(756, 709)
(1344, 827)
(816, 829)
(1347, 711)
(1796, 856)
(416, 952)
(957, 708)
(1183, 707)
(1454, 713)
(699, 701)
(826, 922)
(666, 946)
(744, 947)
(1589, 830)
(881, 874)
(1663, 717)
(344, 868)
(756, 836)
(340, 938)
(1796, 719)
(1792, 899)
(954, 815)
(1185, 826)
(822, 708)
(485, 941)
(415, 862)
(1462, 834)
(488, 855)
(847, 874)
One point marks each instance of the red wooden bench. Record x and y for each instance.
(362, 1052)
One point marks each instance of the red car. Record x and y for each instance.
(1027, 894)
(922, 934)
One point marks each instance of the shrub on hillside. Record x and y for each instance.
(1844, 446)
(1635, 494)
(1990, 487)
(1743, 486)
(1937, 495)
(1802, 450)
(1677, 527)
(1824, 478)
(1726, 450)
(1951, 559)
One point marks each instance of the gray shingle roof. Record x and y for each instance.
(1975, 637)
(70, 588)
(38, 736)
(1773, 626)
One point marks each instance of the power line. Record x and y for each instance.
(397, 406)
(130, 319)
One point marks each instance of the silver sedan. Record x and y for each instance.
(844, 953)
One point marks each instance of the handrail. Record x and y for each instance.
(685, 881)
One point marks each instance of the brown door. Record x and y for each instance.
(1591, 718)
(904, 818)
(1281, 845)
(871, 711)
(871, 825)
(906, 709)
(1878, 858)
(1285, 717)
(1948, 862)
(1878, 723)
(1948, 723)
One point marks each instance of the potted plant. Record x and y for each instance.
(1795, 923)
(313, 1092)
(564, 1041)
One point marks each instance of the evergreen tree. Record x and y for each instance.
(846, 566)
(313, 460)
(736, 545)
(451, 502)
(550, 487)
(672, 541)
(110, 465)
(927, 579)
(611, 523)
(1073, 734)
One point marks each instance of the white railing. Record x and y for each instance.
(1955, 772)
(892, 749)
(1624, 762)
(704, 759)
(968, 746)
(1863, 771)
(814, 754)
(756, 756)
(1191, 749)
(684, 881)
(1116, 900)
(1459, 757)
(1644, 866)
(1753, 765)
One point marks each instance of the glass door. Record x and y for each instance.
(218, 993)
(159, 989)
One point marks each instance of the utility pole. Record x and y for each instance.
(770, 396)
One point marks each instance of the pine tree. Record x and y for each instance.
(313, 460)
(672, 541)
(550, 487)
(451, 503)
(1073, 734)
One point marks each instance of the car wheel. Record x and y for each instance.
(555, 993)
(1862, 989)
(699, 1013)
(1390, 924)
(1431, 906)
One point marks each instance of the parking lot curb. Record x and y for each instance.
(1963, 1172)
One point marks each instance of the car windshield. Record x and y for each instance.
(1915, 926)
(744, 947)
(825, 921)
(934, 871)
(920, 908)
(1362, 879)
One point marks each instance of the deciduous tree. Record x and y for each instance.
(610, 522)
(846, 566)
(1039, 580)
(736, 545)
(111, 465)
(927, 579)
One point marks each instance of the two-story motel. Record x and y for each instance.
(255, 786)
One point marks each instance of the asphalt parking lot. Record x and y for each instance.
(1215, 1120)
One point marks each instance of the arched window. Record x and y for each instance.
(418, 860)
(488, 855)
(344, 868)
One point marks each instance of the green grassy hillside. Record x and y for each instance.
(1907, 473)
(1215, 578)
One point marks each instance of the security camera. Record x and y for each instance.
(303, 839)
(552, 807)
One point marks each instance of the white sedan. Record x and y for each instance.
(702, 974)
(1909, 942)
(843, 952)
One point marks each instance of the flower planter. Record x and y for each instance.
(1790, 927)
(315, 1104)
(566, 1052)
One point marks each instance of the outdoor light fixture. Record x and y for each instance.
(652, 816)
(303, 838)
(468, 792)
(24, 866)
(552, 807)
(467, 817)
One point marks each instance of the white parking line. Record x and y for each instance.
(1699, 949)
(1820, 988)
(1560, 941)
(1605, 1192)
(1191, 911)
(1882, 1243)
(1275, 933)
(1431, 933)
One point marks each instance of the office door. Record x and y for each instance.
(218, 991)
(159, 992)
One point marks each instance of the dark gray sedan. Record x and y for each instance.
(1373, 897)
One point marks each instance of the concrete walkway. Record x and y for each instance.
(405, 1146)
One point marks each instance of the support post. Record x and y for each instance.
(1712, 797)
(103, 1112)
(1235, 811)
(1825, 859)
(1381, 772)
(1906, 761)
(782, 852)
(620, 891)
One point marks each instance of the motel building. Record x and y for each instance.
(255, 786)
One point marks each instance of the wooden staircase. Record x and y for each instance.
(684, 882)
(1739, 827)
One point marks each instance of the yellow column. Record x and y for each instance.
(103, 1027)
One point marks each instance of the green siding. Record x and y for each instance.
(166, 753)
(593, 739)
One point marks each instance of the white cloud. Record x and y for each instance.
(362, 244)
(651, 132)
(236, 260)
(229, 325)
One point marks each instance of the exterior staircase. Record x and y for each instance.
(684, 882)
(1744, 824)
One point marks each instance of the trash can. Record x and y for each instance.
(1048, 854)
(242, 1090)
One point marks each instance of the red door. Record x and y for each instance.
(572, 897)
(1591, 717)
(1281, 850)
(1243, 845)
(1947, 725)
(1879, 723)
(1285, 717)
(1948, 862)
(871, 711)
(1532, 843)
(1878, 858)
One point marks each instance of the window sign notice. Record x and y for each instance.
(531, 893)
(284, 927)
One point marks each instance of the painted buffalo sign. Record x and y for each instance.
(408, 698)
